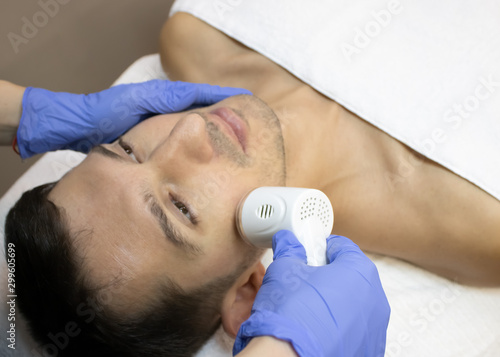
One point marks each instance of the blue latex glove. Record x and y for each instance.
(52, 121)
(335, 310)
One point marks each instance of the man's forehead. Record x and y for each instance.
(95, 205)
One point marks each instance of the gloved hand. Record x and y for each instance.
(52, 121)
(335, 310)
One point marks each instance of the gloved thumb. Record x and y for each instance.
(208, 94)
(286, 245)
(179, 96)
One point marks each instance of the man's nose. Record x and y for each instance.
(188, 142)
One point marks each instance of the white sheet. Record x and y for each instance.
(430, 316)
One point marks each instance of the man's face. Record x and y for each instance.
(161, 201)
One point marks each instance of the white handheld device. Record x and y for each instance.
(306, 212)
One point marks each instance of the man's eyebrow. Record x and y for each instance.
(171, 233)
(106, 152)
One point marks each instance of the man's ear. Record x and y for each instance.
(237, 304)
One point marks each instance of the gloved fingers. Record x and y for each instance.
(286, 245)
(340, 247)
(163, 96)
(342, 250)
(336, 245)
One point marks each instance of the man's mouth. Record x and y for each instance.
(232, 125)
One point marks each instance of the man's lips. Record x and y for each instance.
(232, 124)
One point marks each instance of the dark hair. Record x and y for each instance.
(67, 316)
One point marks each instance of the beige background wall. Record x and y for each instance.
(80, 46)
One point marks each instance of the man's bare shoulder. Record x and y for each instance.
(421, 212)
(192, 50)
(180, 36)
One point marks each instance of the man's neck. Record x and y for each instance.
(317, 160)
(304, 120)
